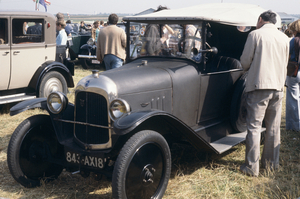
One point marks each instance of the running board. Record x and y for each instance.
(15, 98)
(225, 143)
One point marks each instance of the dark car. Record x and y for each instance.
(124, 121)
(79, 39)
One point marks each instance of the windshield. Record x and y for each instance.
(166, 40)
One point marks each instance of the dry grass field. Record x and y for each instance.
(193, 175)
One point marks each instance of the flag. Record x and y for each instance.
(36, 4)
(47, 2)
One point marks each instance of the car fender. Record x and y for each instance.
(29, 104)
(50, 66)
(65, 129)
(132, 120)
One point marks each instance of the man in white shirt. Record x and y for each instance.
(62, 37)
(265, 56)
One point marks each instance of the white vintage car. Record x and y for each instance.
(31, 64)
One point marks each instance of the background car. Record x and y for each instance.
(87, 55)
(124, 121)
(78, 40)
(31, 63)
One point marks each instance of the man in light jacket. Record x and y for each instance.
(111, 44)
(265, 56)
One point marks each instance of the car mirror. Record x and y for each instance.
(213, 50)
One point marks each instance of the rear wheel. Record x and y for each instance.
(238, 108)
(143, 167)
(29, 149)
(87, 63)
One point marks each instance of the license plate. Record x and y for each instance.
(94, 61)
(91, 161)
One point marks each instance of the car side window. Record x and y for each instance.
(3, 31)
(27, 31)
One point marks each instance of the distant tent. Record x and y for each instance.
(286, 18)
(150, 10)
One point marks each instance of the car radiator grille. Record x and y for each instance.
(91, 108)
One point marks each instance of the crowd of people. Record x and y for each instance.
(111, 50)
(156, 38)
(65, 29)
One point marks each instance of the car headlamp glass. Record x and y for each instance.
(90, 41)
(118, 108)
(57, 102)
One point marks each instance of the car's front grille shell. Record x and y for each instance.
(91, 108)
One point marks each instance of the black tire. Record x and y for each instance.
(143, 167)
(28, 150)
(238, 108)
(1, 107)
(53, 81)
(87, 63)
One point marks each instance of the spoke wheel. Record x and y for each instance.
(28, 150)
(143, 167)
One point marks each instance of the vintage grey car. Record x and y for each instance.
(124, 121)
(31, 64)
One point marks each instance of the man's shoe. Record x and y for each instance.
(247, 171)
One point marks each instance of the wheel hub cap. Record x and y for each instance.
(147, 175)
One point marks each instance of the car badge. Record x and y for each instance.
(81, 102)
(87, 83)
(145, 104)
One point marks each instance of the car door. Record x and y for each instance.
(214, 97)
(28, 49)
(4, 53)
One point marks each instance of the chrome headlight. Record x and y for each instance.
(57, 102)
(90, 41)
(118, 108)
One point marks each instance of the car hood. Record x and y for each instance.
(136, 77)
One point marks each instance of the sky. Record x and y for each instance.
(136, 6)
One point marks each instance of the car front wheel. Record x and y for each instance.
(53, 81)
(143, 167)
(31, 146)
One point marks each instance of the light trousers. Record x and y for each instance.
(263, 105)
